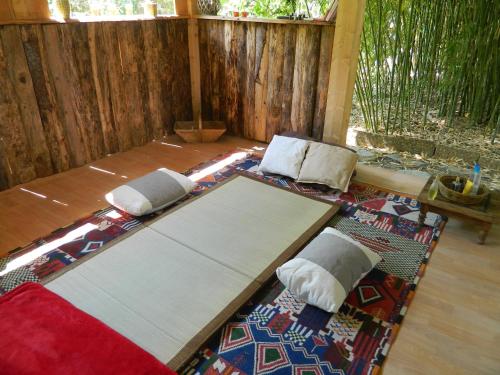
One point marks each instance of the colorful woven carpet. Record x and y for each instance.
(275, 333)
(278, 334)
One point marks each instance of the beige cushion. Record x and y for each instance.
(284, 156)
(328, 165)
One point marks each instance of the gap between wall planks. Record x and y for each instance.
(73, 93)
(262, 79)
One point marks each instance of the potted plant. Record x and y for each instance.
(245, 5)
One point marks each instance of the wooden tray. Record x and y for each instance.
(190, 133)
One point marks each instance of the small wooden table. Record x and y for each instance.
(486, 213)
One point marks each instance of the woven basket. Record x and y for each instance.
(445, 184)
(210, 7)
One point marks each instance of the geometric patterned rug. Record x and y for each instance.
(276, 333)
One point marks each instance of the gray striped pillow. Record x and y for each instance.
(327, 269)
(151, 192)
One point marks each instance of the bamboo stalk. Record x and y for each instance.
(394, 65)
(444, 57)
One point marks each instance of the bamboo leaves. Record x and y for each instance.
(420, 57)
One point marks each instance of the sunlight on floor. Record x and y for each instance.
(101, 170)
(43, 196)
(105, 171)
(217, 166)
(44, 249)
(170, 144)
(60, 203)
(34, 193)
(114, 214)
(351, 137)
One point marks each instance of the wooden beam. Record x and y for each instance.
(193, 8)
(6, 11)
(181, 7)
(343, 70)
(32, 10)
(24, 10)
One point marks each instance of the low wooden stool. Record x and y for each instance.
(486, 214)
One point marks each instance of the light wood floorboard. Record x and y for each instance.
(71, 195)
(452, 325)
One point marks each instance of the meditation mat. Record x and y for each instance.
(170, 284)
(367, 324)
(44, 334)
(245, 225)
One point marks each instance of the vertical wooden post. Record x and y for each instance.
(194, 62)
(181, 7)
(343, 69)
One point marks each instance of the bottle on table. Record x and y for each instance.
(457, 185)
(476, 178)
(433, 189)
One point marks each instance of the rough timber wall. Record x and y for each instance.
(265, 78)
(72, 93)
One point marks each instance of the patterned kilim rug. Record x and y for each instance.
(275, 333)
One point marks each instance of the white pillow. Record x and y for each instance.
(327, 269)
(151, 192)
(284, 156)
(328, 165)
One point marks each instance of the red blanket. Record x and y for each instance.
(41, 333)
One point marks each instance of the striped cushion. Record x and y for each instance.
(151, 192)
(327, 269)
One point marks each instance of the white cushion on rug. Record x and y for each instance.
(328, 165)
(327, 269)
(151, 192)
(284, 156)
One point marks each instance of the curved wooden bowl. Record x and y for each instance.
(445, 183)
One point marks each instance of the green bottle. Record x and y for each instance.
(433, 190)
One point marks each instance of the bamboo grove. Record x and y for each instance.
(419, 56)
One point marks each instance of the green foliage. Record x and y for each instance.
(259, 8)
(419, 56)
(115, 7)
(274, 8)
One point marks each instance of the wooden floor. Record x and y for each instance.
(452, 325)
(37, 208)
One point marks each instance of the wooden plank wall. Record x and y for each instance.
(265, 78)
(73, 93)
